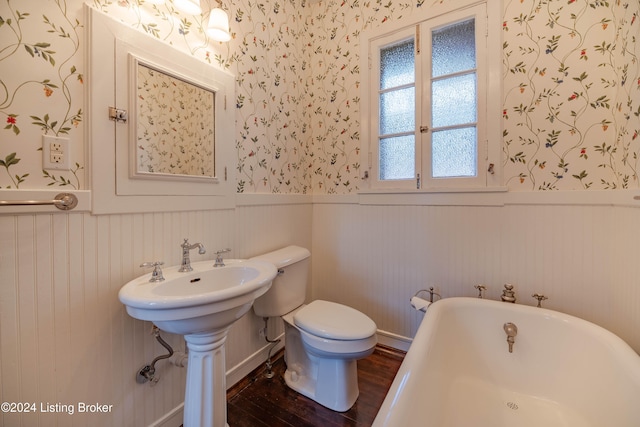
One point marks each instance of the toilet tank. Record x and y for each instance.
(288, 290)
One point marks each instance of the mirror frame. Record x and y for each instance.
(109, 49)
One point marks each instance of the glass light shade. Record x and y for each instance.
(218, 28)
(155, 1)
(191, 7)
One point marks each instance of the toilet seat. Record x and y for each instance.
(334, 321)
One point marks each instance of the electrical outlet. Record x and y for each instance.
(55, 153)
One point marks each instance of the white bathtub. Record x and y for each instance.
(563, 372)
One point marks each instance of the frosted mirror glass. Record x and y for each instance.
(175, 125)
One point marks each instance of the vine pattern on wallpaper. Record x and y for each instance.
(25, 121)
(572, 94)
(334, 87)
(571, 87)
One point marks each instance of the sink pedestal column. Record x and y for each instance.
(205, 400)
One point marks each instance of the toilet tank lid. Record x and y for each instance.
(285, 256)
(334, 321)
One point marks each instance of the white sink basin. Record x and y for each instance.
(201, 300)
(201, 305)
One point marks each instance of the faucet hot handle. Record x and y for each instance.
(156, 275)
(540, 298)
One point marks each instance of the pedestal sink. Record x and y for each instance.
(201, 305)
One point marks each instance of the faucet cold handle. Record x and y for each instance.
(219, 261)
(156, 274)
(481, 289)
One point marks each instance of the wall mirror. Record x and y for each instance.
(175, 125)
(175, 150)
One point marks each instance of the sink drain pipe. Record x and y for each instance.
(147, 373)
(269, 365)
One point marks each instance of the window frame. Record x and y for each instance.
(489, 121)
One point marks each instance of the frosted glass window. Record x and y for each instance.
(454, 100)
(397, 157)
(453, 48)
(454, 153)
(397, 111)
(397, 65)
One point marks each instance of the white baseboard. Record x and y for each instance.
(396, 341)
(174, 417)
(171, 419)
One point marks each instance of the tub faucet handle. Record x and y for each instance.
(540, 298)
(481, 289)
(156, 275)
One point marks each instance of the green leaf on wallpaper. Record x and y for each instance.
(518, 158)
(602, 101)
(518, 68)
(604, 48)
(581, 77)
(152, 29)
(11, 159)
(581, 175)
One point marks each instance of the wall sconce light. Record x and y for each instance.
(191, 7)
(218, 28)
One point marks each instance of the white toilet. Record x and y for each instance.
(323, 340)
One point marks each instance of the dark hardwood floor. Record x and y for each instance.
(257, 401)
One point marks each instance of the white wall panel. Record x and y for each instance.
(65, 337)
(583, 257)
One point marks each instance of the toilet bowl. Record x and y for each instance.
(323, 339)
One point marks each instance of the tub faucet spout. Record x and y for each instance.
(511, 330)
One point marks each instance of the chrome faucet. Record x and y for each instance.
(219, 261)
(186, 261)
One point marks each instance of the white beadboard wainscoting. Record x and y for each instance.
(64, 336)
(582, 253)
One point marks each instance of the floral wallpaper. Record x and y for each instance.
(571, 94)
(170, 138)
(571, 88)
